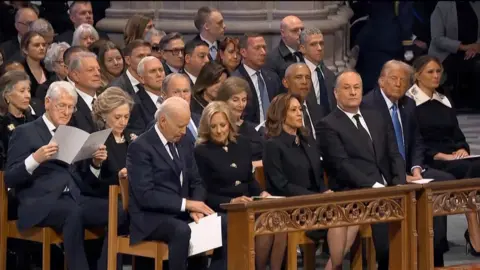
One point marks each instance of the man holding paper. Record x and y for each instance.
(166, 191)
(49, 191)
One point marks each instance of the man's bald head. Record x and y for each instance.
(23, 18)
(173, 117)
(290, 28)
(298, 80)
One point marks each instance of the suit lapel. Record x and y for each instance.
(311, 158)
(147, 102)
(43, 131)
(253, 100)
(405, 123)
(160, 148)
(84, 110)
(374, 132)
(352, 131)
(128, 84)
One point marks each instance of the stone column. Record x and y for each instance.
(331, 17)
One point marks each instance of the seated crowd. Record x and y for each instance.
(191, 120)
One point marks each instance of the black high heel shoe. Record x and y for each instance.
(468, 246)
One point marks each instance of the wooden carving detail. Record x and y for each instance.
(457, 201)
(328, 215)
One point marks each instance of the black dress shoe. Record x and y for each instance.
(468, 246)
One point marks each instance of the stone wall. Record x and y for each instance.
(332, 17)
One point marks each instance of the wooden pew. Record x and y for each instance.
(46, 236)
(395, 205)
(440, 199)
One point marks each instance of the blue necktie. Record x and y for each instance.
(213, 52)
(262, 88)
(192, 129)
(398, 130)
(323, 91)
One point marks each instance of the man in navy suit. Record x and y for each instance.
(50, 192)
(399, 111)
(264, 83)
(166, 190)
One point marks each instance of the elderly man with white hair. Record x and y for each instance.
(80, 13)
(164, 179)
(49, 191)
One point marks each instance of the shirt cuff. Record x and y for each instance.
(95, 172)
(421, 169)
(31, 164)
(184, 202)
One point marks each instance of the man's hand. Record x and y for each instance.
(460, 153)
(242, 199)
(264, 194)
(122, 173)
(196, 216)
(442, 156)
(45, 152)
(99, 156)
(198, 206)
(416, 175)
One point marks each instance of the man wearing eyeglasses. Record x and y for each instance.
(23, 18)
(172, 48)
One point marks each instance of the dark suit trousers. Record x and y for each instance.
(219, 258)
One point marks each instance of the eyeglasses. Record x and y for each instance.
(176, 51)
(64, 108)
(156, 47)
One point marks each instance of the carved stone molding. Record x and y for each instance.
(329, 215)
(456, 202)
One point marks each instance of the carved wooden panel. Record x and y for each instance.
(328, 215)
(448, 203)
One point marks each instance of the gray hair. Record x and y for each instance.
(53, 54)
(305, 33)
(348, 70)
(41, 26)
(84, 28)
(152, 33)
(170, 76)
(141, 65)
(7, 85)
(170, 105)
(21, 10)
(76, 60)
(394, 64)
(57, 88)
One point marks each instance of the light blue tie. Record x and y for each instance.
(192, 129)
(262, 88)
(398, 130)
(213, 52)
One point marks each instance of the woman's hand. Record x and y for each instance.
(443, 156)
(265, 194)
(328, 191)
(241, 199)
(460, 153)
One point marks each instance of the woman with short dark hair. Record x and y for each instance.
(206, 87)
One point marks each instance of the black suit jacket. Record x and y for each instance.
(350, 163)
(67, 36)
(82, 118)
(273, 83)
(143, 111)
(38, 90)
(11, 49)
(155, 190)
(183, 72)
(227, 175)
(329, 78)
(37, 193)
(414, 147)
(123, 83)
(279, 59)
(188, 138)
(197, 38)
(316, 115)
(282, 174)
(166, 68)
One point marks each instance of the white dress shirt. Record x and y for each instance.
(133, 81)
(210, 45)
(172, 69)
(315, 81)
(154, 97)
(31, 164)
(86, 97)
(253, 76)
(292, 51)
(193, 78)
(164, 142)
(312, 128)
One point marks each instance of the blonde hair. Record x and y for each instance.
(109, 100)
(212, 108)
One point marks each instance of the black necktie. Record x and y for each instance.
(176, 158)
(298, 55)
(323, 91)
(93, 102)
(306, 118)
(363, 132)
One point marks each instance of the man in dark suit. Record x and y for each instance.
(196, 56)
(50, 192)
(172, 48)
(399, 110)
(134, 52)
(149, 96)
(323, 79)
(80, 12)
(164, 179)
(360, 151)
(286, 53)
(23, 18)
(264, 84)
(84, 72)
(298, 81)
(211, 27)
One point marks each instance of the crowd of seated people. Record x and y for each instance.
(190, 121)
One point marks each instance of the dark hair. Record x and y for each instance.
(243, 43)
(135, 27)
(277, 113)
(202, 16)
(420, 63)
(74, 3)
(192, 44)
(27, 38)
(167, 38)
(224, 44)
(208, 76)
(68, 53)
(135, 44)
(100, 47)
